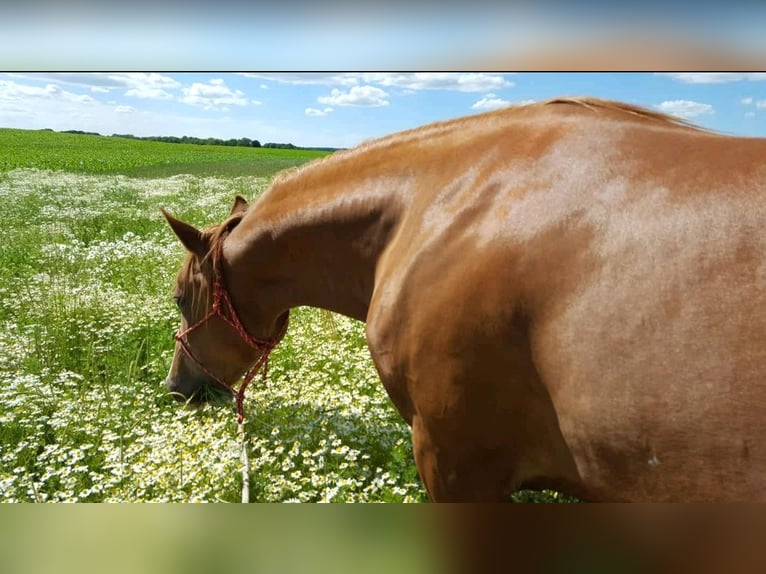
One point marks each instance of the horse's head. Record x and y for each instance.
(213, 348)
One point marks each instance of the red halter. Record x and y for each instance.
(222, 299)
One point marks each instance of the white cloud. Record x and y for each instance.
(13, 91)
(149, 86)
(125, 109)
(461, 82)
(214, 95)
(490, 102)
(307, 78)
(148, 93)
(264, 87)
(685, 108)
(51, 106)
(714, 77)
(99, 82)
(761, 104)
(746, 101)
(749, 114)
(318, 112)
(367, 96)
(143, 80)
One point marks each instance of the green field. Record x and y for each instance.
(80, 153)
(87, 266)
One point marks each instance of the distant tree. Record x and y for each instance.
(80, 132)
(279, 145)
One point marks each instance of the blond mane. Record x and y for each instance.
(597, 104)
(587, 102)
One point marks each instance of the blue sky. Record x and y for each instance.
(344, 109)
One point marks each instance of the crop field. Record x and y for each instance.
(87, 266)
(92, 154)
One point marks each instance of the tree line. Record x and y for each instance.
(238, 142)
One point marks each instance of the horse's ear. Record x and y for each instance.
(240, 205)
(191, 237)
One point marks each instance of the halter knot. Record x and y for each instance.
(221, 299)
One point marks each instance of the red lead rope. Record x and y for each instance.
(222, 302)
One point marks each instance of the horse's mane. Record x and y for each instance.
(596, 104)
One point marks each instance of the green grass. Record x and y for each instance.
(82, 153)
(87, 266)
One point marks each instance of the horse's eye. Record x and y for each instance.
(179, 300)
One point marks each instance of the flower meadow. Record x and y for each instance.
(87, 266)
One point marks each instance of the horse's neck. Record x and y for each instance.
(318, 245)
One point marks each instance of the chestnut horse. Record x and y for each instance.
(567, 295)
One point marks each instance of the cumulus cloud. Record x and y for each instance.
(125, 109)
(318, 112)
(746, 101)
(144, 79)
(306, 78)
(214, 95)
(149, 93)
(461, 82)
(36, 106)
(761, 104)
(13, 91)
(143, 85)
(362, 96)
(714, 77)
(685, 108)
(490, 102)
(140, 84)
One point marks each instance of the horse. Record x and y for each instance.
(566, 295)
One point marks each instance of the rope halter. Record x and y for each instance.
(223, 308)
